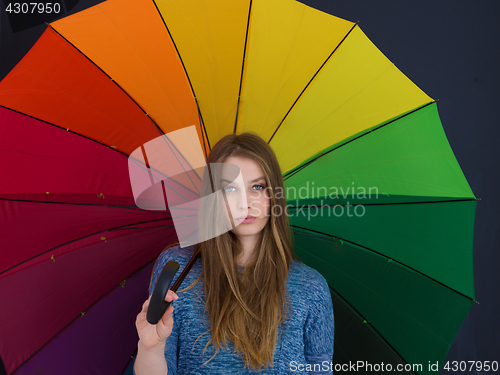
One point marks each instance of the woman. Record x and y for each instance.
(253, 306)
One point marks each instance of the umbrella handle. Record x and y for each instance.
(157, 304)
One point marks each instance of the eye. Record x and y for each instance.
(261, 186)
(228, 187)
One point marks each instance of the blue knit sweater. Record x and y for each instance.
(305, 348)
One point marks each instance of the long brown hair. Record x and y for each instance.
(249, 309)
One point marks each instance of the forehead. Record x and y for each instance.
(249, 168)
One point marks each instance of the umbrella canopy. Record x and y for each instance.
(377, 200)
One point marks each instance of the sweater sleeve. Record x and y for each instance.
(172, 348)
(319, 329)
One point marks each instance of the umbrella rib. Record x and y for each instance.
(359, 316)
(165, 137)
(134, 353)
(292, 172)
(203, 131)
(138, 163)
(202, 123)
(88, 308)
(107, 75)
(81, 238)
(60, 127)
(387, 204)
(160, 226)
(135, 208)
(325, 235)
(309, 83)
(242, 68)
(162, 133)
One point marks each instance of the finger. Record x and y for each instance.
(145, 305)
(165, 319)
(141, 317)
(171, 296)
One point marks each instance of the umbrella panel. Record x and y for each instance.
(410, 310)
(102, 340)
(355, 340)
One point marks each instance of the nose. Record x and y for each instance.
(243, 203)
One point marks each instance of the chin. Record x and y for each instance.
(245, 231)
(249, 229)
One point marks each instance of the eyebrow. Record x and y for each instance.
(257, 179)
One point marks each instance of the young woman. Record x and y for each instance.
(248, 304)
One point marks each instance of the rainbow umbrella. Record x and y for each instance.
(377, 200)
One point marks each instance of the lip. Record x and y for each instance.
(246, 219)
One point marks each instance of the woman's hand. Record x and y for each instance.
(154, 335)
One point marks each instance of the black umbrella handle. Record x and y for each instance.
(157, 304)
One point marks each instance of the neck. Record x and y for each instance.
(248, 243)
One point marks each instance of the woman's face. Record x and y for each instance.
(247, 200)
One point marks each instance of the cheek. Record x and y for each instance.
(265, 204)
(232, 202)
(231, 211)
